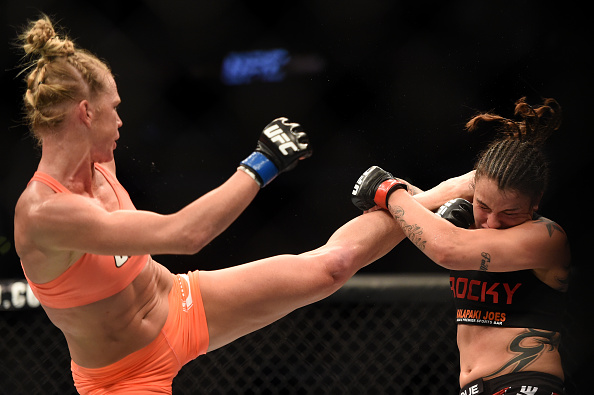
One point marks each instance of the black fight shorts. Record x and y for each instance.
(524, 383)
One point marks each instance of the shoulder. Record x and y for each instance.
(36, 216)
(41, 212)
(555, 246)
(537, 230)
(538, 243)
(34, 195)
(552, 228)
(546, 235)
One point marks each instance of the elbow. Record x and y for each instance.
(445, 260)
(445, 253)
(184, 240)
(191, 243)
(191, 247)
(184, 237)
(174, 236)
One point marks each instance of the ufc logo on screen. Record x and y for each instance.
(280, 138)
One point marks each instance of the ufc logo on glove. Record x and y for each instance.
(277, 136)
(280, 146)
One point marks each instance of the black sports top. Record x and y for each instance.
(510, 299)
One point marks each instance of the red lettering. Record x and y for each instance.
(510, 292)
(464, 282)
(470, 296)
(491, 292)
(478, 290)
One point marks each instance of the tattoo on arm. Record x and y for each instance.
(545, 341)
(413, 232)
(485, 261)
(551, 226)
(414, 190)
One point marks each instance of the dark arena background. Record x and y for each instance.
(386, 83)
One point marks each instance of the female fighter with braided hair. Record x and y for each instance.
(509, 265)
(129, 323)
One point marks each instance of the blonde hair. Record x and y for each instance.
(62, 75)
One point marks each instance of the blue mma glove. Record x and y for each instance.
(280, 146)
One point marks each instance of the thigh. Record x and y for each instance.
(241, 299)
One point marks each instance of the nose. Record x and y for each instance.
(119, 123)
(493, 222)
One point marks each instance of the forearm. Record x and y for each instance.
(207, 217)
(520, 247)
(435, 197)
(456, 187)
(388, 234)
(452, 188)
(422, 227)
(448, 245)
(280, 146)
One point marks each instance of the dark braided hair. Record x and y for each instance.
(516, 160)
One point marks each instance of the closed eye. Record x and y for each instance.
(483, 206)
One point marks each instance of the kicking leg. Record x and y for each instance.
(241, 299)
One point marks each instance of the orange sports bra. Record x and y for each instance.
(92, 277)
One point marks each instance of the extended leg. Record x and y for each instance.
(241, 299)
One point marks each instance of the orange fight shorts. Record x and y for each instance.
(151, 369)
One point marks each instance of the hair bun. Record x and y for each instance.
(538, 122)
(41, 39)
(38, 35)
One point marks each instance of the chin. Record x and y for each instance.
(104, 158)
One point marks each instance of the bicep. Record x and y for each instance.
(74, 223)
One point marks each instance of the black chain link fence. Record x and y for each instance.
(377, 335)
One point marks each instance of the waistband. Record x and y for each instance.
(535, 379)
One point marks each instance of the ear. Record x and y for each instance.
(85, 112)
(537, 202)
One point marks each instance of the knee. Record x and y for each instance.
(338, 265)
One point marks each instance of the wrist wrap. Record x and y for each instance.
(385, 190)
(262, 167)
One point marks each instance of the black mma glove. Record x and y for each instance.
(374, 188)
(279, 148)
(457, 211)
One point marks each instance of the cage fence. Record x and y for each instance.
(392, 334)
